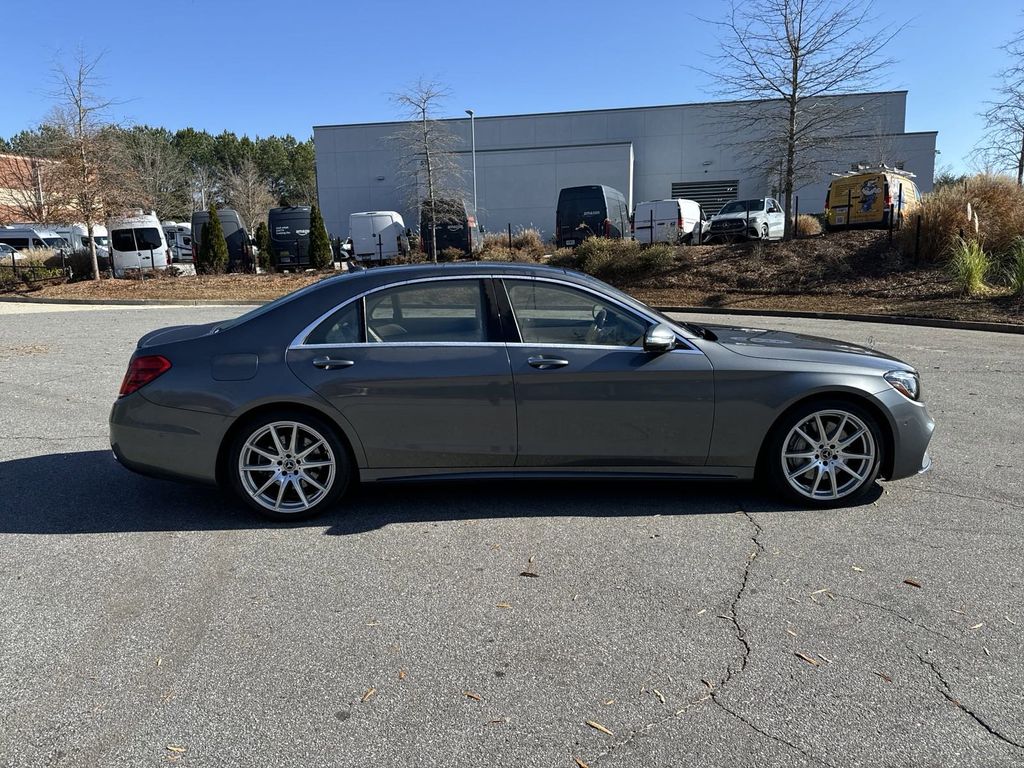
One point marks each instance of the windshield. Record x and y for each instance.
(742, 206)
(101, 240)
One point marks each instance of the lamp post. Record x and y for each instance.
(472, 131)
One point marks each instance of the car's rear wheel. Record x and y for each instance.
(288, 466)
(825, 453)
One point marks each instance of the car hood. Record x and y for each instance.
(738, 215)
(174, 333)
(782, 345)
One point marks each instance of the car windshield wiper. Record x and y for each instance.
(701, 331)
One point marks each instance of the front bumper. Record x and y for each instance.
(912, 428)
(166, 442)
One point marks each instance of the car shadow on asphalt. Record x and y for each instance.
(88, 492)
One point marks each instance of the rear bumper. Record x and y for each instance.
(166, 442)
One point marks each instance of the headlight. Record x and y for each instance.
(905, 382)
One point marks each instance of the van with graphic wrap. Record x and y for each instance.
(289, 236)
(864, 198)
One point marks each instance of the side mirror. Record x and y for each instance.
(659, 338)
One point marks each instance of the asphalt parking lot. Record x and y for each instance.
(147, 623)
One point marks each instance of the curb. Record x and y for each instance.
(136, 302)
(927, 322)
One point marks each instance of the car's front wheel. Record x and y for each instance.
(825, 453)
(288, 466)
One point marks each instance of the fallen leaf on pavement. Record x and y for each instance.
(979, 625)
(658, 694)
(702, 610)
(808, 659)
(504, 605)
(599, 727)
(709, 684)
(401, 674)
(858, 569)
(1010, 620)
(912, 583)
(884, 677)
(580, 763)
(609, 702)
(530, 561)
(824, 658)
(369, 694)
(471, 695)
(791, 632)
(819, 591)
(176, 748)
(530, 574)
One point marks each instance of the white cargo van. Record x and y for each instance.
(137, 242)
(179, 240)
(377, 236)
(33, 237)
(78, 236)
(668, 221)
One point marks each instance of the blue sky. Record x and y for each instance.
(261, 67)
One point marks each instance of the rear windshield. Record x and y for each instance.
(741, 206)
(581, 206)
(139, 239)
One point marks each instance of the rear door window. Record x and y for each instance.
(148, 238)
(123, 239)
(440, 311)
(343, 327)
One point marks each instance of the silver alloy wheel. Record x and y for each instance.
(286, 466)
(828, 455)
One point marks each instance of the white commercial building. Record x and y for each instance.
(647, 153)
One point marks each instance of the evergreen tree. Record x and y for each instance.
(213, 248)
(320, 255)
(263, 243)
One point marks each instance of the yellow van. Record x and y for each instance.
(863, 198)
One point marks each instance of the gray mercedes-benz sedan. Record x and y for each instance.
(494, 370)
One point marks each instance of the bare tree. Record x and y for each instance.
(248, 191)
(157, 171)
(789, 57)
(1002, 146)
(427, 160)
(92, 180)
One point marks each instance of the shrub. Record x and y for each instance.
(528, 239)
(808, 226)
(450, 254)
(213, 247)
(969, 265)
(623, 261)
(320, 255)
(564, 258)
(263, 244)
(1015, 269)
(997, 201)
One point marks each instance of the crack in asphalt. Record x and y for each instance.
(894, 612)
(951, 494)
(947, 694)
(732, 671)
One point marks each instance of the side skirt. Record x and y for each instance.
(502, 473)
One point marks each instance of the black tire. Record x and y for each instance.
(764, 231)
(336, 451)
(774, 468)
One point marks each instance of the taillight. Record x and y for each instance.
(141, 371)
(195, 254)
(679, 222)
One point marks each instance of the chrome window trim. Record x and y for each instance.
(297, 342)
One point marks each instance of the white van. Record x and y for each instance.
(179, 240)
(137, 242)
(377, 236)
(33, 237)
(78, 237)
(668, 221)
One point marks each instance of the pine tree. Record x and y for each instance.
(320, 255)
(263, 243)
(213, 247)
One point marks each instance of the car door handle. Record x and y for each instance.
(546, 363)
(329, 363)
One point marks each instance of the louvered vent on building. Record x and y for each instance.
(712, 195)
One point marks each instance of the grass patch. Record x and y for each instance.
(807, 225)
